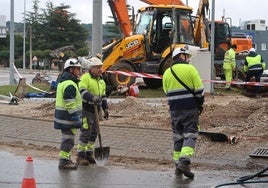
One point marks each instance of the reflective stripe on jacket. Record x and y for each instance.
(66, 108)
(178, 96)
(254, 63)
(229, 59)
(90, 86)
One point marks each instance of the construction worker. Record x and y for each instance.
(93, 90)
(68, 111)
(184, 106)
(254, 66)
(229, 65)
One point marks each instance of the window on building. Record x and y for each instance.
(253, 27)
(263, 46)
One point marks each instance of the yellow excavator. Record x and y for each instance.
(148, 41)
(147, 46)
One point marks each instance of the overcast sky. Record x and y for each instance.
(238, 10)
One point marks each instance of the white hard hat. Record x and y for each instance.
(72, 62)
(85, 62)
(252, 50)
(178, 51)
(94, 61)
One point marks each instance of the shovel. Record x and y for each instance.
(101, 153)
(215, 137)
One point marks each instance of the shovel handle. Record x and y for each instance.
(98, 124)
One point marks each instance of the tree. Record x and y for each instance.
(82, 51)
(111, 31)
(55, 27)
(34, 20)
(4, 50)
(62, 29)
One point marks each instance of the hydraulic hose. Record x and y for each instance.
(243, 179)
(258, 174)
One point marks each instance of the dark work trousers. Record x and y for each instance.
(67, 142)
(185, 131)
(88, 132)
(257, 74)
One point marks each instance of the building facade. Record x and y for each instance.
(257, 29)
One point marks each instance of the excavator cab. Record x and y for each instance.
(222, 39)
(163, 26)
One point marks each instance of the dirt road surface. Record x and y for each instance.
(230, 113)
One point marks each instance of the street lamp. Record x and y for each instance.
(11, 51)
(24, 36)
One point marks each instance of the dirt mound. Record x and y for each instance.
(137, 112)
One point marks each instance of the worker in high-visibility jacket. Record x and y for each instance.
(93, 91)
(253, 67)
(185, 107)
(68, 111)
(229, 65)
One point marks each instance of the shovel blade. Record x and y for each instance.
(102, 155)
(215, 137)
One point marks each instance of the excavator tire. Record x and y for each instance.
(119, 80)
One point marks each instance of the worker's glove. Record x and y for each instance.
(77, 121)
(96, 100)
(106, 114)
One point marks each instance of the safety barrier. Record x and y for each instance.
(155, 76)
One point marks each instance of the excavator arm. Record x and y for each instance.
(119, 10)
(200, 36)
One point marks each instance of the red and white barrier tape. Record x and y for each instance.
(155, 76)
(238, 83)
(136, 74)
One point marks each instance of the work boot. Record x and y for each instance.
(90, 157)
(82, 159)
(67, 164)
(185, 169)
(178, 172)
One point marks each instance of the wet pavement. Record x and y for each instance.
(47, 175)
(123, 141)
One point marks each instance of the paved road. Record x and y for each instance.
(29, 75)
(123, 141)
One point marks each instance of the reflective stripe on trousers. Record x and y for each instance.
(185, 132)
(67, 143)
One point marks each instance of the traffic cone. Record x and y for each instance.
(28, 178)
